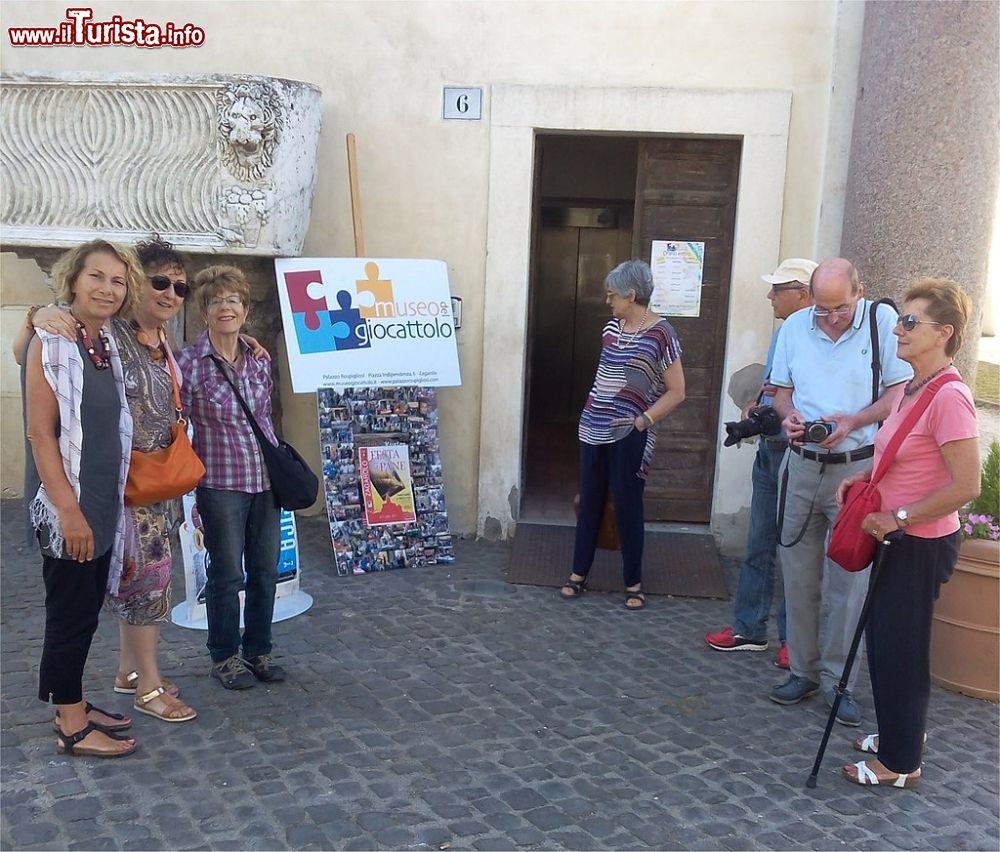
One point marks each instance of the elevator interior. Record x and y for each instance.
(582, 228)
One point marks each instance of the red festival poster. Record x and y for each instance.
(386, 485)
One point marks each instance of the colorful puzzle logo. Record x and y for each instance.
(320, 329)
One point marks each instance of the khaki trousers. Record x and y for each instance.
(823, 600)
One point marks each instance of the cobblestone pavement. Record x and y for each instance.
(441, 708)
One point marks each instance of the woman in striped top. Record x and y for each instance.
(639, 381)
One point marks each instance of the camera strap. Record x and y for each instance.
(783, 494)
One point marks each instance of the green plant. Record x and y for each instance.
(978, 519)
(988, 501)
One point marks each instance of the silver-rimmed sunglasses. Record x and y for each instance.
(910, 322)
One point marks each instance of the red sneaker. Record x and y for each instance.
(781, 660)
(723, 637)
(726, 640)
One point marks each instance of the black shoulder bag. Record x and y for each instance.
(293, 484)
(877, 347)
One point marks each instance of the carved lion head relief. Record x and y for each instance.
(249, 127)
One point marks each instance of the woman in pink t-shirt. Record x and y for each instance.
(935, 471)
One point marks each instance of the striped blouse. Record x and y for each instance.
(629, 380)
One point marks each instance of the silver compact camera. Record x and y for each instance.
(818, 431)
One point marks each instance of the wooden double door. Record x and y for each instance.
(685, 189)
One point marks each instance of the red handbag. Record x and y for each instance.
(850, 546)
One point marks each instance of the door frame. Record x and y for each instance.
(517, 113)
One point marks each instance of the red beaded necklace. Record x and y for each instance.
(100, 361)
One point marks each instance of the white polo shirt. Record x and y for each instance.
(828, 376)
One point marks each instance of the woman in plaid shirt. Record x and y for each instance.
(238, 511)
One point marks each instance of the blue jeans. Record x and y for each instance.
(241, 530)
(755, 587)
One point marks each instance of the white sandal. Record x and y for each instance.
(866, 777)
(869, 744)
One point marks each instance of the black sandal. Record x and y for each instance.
(577, 588)
(67, 744)
(635, 596)
(126, 723)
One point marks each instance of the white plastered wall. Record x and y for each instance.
(760, 118)
(426, 182)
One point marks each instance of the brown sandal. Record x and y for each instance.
(69, 744)
(131, 683)
(179, 712)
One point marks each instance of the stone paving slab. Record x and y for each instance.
(441, 708)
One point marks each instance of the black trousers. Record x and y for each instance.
(74, 593)
(616, 466)
(898, 638)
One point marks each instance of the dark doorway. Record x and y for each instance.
(600, 200)
(584, 204)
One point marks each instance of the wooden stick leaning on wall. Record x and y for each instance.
(352, 177)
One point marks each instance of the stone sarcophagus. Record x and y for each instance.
(214, 164)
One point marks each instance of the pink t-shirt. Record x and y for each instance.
(919, 468)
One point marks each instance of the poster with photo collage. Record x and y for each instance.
(353, 418)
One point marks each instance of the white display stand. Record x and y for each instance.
(289, 599)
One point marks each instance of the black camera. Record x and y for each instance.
(763, 420)
(818, 431)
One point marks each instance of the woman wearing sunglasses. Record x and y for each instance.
(934, 472)
(78, 425)
(142, 599)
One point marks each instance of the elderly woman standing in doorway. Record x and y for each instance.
(639, 381)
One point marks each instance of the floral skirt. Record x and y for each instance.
(144, 589)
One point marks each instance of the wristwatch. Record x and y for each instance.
(902, 517)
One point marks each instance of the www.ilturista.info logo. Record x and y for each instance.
(377, 316)
(78, 29)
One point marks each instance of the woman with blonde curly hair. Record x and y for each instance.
(79, 428)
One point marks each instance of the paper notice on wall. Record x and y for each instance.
(677, 271)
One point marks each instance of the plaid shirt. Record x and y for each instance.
(223, 438)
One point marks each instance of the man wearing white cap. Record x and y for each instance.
(823, 369)
(755, 587)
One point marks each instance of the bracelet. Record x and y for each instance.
(649, 420)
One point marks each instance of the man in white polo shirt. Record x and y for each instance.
(823, 371)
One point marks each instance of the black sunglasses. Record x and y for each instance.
(910, 322)
(161, 282)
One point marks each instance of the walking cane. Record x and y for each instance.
(895, 535)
